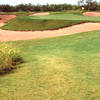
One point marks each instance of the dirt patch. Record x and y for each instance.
(40, 14)
(5, 18)
(6, 35)
(92, 14)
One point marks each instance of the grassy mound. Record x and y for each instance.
(53, 21)
(9, 57)
(28, 24)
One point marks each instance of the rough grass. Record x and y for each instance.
(9, 57)
(52, 21)
(62, 68)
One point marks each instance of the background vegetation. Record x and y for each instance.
(89, 5)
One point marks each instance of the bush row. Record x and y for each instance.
(35, 8)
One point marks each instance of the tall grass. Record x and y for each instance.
(9, 57)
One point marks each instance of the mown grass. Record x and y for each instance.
(62, 68)
(19, 13)
(72, 15)
(26, 24)
(53, 21)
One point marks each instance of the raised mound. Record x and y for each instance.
(40, 14)
(92, 14)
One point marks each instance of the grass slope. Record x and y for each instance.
(28, 24)
(62, 68)
(52, 21)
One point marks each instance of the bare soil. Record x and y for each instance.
(92, 14)
(5, 18)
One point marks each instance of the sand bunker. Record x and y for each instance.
(6, 35)
(41, 14)
(5, 18)
(92, 14)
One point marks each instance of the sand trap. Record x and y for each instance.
(5, 18)
(6, 35)
(92, 14)
(41, 14)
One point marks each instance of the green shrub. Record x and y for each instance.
(9, 57)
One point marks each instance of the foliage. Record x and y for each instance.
(9, 57)
(89, 4)
(36, 8)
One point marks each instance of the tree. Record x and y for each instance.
(81, 2)
(89, 4)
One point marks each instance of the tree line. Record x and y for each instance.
(38, 8)
(88, 5)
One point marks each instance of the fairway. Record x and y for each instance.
(63, 68)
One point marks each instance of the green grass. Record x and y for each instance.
(19, 13)
(53, 21)
(62, 68)
(26, 24)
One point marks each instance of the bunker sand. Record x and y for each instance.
(92, 14)
(5, 18)
(6, 35)
(40, 14)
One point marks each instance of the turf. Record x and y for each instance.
(26, 24)
(62, 68)
(52, 21)
(19, 13)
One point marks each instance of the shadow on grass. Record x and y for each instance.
(11, 69)
(7, 71)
